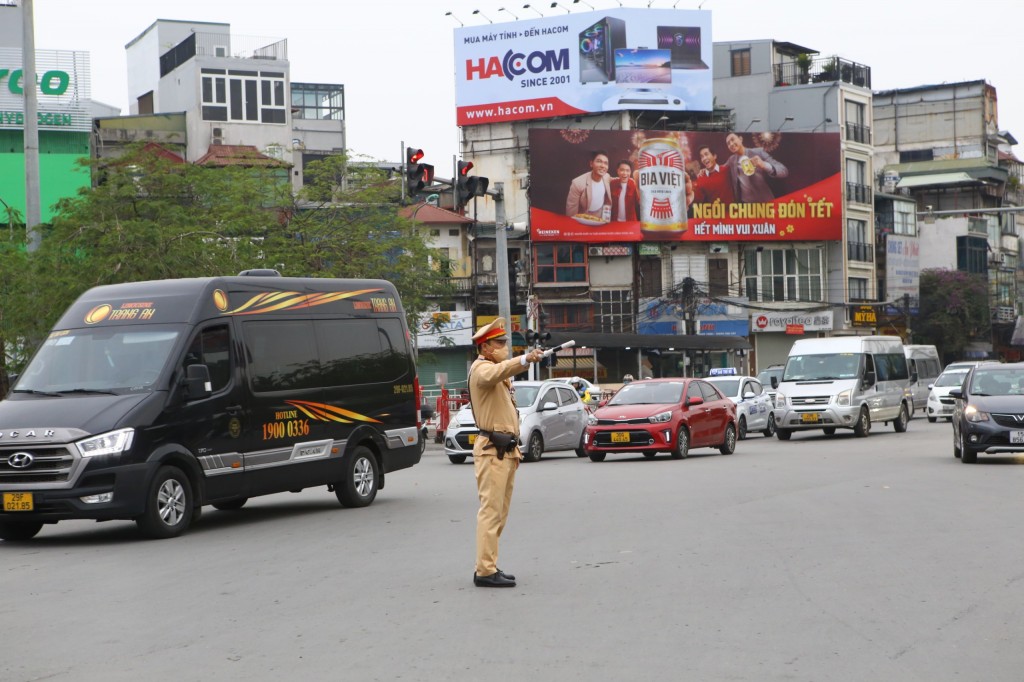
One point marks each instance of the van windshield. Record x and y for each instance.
(825, 367)
(100, 360)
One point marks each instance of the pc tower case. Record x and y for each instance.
(597, 50)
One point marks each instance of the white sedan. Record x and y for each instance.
(753, 404)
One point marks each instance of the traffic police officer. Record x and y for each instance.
(495, 451)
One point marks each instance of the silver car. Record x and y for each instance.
(754, 406)
(551, 417)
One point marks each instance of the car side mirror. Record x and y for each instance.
(749, 395)
(548, 406)
(602, 403)
(197, 382)
(775, 382)
(931, 386)
(690, 402)
(957, 393)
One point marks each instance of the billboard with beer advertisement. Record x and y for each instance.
(587, 62)
(658, 185)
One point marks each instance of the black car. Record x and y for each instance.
(989, 413)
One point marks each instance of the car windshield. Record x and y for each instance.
(101, 359)
(525, 395)
(951, 378)
(726, 386)
(997, 382)
(654, 393)
(822, 367)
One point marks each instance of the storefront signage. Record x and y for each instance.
(778, 322)
(43, 118)
(63, 87)
(863, 316)
(50, 83)
(723, 327)
(445, 329)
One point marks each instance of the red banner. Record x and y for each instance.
(649, 185)
(541, 107)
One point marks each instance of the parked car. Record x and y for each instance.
(989, 413)
(551, 417)
(770, 377)
(659, 415)
(940, 403)
(753, 405)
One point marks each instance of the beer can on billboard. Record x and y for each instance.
(661, 178)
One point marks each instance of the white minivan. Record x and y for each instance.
(844, 382)
(922, 361)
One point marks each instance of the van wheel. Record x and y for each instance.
(783, 434)
(729, 444)
(423, 440)
(900, 424)
(863, 427)
(742, 435)
(535, 448)
(19, 531)
(231, 505)
(456, 459)
(682, 447)
(769, 430)
(359, 486)
(169, 505)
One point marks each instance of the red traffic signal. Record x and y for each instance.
(417, 175)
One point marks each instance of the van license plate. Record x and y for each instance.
(472, 438)
(1016, 437)
(22, 502)
(810, 417)
(620, 436)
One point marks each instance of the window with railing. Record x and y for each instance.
(857, 189)
(858, 247)
(972, 254)
(784, 275)
(858, 288)
(857, 129)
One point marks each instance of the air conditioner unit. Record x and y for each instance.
(596, 251)
(218, 136)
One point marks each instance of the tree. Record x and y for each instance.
(954, 311)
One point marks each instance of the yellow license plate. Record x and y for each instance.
(472, 438)
(810, 418)
(620, 437)
(18, 502)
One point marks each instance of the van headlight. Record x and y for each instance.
(113, 443)
(843, 399)
(973, 414)
(660, 418)
(780, 400)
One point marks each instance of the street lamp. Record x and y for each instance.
(476, 11)
(449, 14)
(527, 6)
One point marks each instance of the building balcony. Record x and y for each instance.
(858, 133)
(860, 251)
(858, 193)
(224, 46)
(823, 70)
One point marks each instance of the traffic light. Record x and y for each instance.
(536, 338)
(468, 186)
(417, 175)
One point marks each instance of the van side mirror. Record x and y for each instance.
(197, 382)
(775, 382)
(913, 377)
(869, 379)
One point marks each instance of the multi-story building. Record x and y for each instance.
(779, 87)
(940, 147)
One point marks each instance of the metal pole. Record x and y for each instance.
(33, 214)
(401, 155)
(501, 255)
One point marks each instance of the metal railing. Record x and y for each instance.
(823, 70)
(858, 133)
(240, 47)
(858, 192)
(860, 251)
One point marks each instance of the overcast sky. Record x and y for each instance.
(395, 57)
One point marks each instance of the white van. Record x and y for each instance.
(924, 367)
(844, 382)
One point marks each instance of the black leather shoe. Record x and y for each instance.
(506, 575)
(495, 579)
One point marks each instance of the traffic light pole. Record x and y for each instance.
(501, 248)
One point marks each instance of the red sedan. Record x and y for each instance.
(658, 415)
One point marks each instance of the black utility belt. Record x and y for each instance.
(504, 443)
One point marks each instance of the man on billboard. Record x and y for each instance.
(591, 193)
(748, 168)
(625, 197)
(713, 181)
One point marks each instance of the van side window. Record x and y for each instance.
(282, 355)
(891, 366)
(212, 347)
(361, 351)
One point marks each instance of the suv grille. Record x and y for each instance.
(49, 465)
(1014, 421)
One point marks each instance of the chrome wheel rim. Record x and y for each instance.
(730, 438)
(535, 446)
(743, 427)
(170, 502)
(682, 441)
(362, 477)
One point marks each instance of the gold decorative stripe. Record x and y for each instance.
(330, 412)
(282, 300)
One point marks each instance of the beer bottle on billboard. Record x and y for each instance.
(661, 180)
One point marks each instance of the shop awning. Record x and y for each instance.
(581, 363)
(650, 341)
(936, 179)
